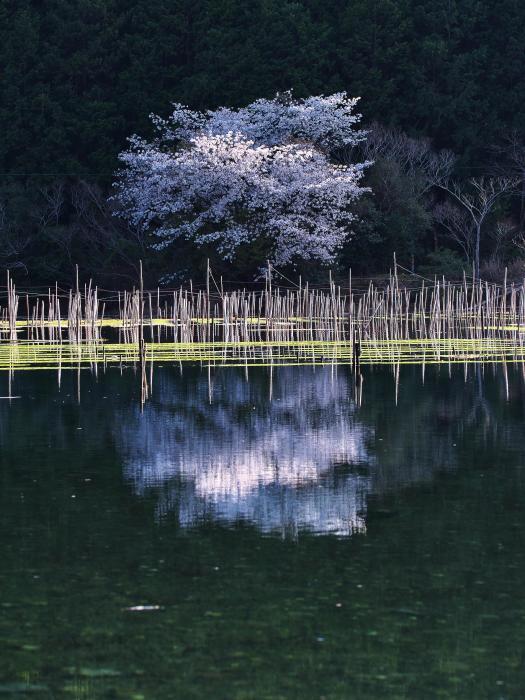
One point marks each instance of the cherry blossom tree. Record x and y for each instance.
(266, 173)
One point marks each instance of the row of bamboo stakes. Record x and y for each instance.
(442, 309)
(440, 321)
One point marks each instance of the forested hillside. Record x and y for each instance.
(79, 76)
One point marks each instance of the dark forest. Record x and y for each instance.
(80, 76)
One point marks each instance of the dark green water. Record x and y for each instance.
(296, 546)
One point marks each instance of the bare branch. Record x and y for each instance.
(459, 227)
(478, 201)
(416, 158)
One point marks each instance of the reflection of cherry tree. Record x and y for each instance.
(307, 459)
(289, 463)
(244, 457)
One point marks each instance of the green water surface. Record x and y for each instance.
(263, 537)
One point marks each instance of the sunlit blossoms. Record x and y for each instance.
(265, 173)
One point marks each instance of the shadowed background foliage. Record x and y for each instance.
(79, 76)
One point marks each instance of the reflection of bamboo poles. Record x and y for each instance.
(142, 344)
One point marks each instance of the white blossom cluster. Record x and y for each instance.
(261, 173)
(326, 121)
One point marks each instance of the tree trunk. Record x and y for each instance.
(522, 203)
(476, 250)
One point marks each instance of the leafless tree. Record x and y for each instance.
(415, 157)
(53, 201)
(477, 200)
(503, 234)
(458, 226)
(106, 236)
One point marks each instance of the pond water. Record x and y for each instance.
(265, 536)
